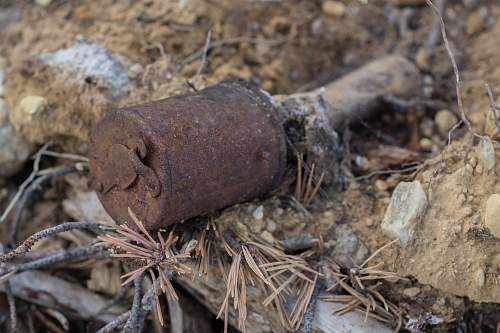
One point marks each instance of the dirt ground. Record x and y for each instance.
(289, 46)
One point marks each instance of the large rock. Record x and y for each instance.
(60, 95)
(408, 205)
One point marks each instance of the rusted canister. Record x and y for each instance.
(184, 156)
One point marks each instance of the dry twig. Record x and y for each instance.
(458, 82)
(26, 246)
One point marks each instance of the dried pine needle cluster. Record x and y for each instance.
(159, 258)
(280, 276)
(286, 280)
(358, 289)
(306, 186)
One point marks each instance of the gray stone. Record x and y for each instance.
(486, 154)
(408, 205)
(349, 249)
(445, 120)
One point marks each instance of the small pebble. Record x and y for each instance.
(469, 169)
(32, 105)
(476, 219)
(473, 161)
(426, 144)
(456, 229)
(479, 169)
(461, 198)
(135, 71)
(333, 8)
(468, 211)
(427, 127)
(369, 221)
(258, 213)
(422, 59)
(330, 244)
(267, 236)
(445, 120)
(486, 154)
(479, 278)
(43, 3)
(271, 226)
(411, 292)
(380, 185)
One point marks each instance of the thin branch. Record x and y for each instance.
(204, 57)
(12, 307)
(134, 323)
(30, 242)
(458, 82)
(147, 304)
(495, 109)
(64, 256)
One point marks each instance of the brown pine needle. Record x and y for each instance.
(156, 257)
(360, 286)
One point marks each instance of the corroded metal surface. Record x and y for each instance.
(184, 156)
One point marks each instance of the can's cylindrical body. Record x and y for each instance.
(184, 156)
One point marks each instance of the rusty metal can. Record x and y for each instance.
(187, 155)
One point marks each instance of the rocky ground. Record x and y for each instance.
(64, 64)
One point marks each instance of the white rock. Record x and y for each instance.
(333, 8)
(445, 120)
(258, 213)
(32, 105)
(407, 207)
(486, 154)
(492, 214)
(85, 59)
(43, 3)
(267, 236)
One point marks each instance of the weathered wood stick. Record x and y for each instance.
(52, 292)
(365, 91)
